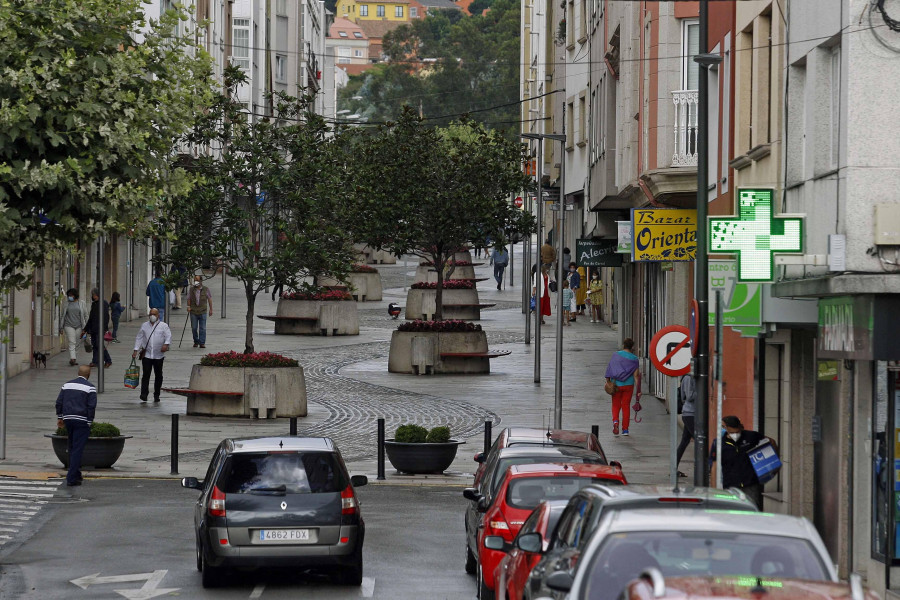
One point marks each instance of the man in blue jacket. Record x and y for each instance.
(75, 408)
(157, 296)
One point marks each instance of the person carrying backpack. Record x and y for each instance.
(687, 396)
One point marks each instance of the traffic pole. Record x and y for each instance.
(538, 276)
(560, 273)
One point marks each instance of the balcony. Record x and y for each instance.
(685, 129)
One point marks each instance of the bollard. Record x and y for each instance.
(174, 444)
(487, 436)
(595, 429)
(380, 476)
(293, 430)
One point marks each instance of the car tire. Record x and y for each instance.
(211, 576)
(484, 593)
(471, 561)
(352, 574)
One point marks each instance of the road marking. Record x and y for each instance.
(15, 495)
(20, 501)
(258, 590)
(55, 483)
(149, 590)
(29, 513)
(367, 589)
(24, 488)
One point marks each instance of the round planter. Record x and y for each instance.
(99, 452)
(421, 458)
(365, 287)
(419, 352)
(420, 304)
(425, 273)
(266, 392)
(317, 317)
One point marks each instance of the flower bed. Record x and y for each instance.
(360, 268)
(439, 326)
(449, 284)
(450, 263)
(257, 359)
(323, 295)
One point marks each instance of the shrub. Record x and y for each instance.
(438, 435)
(360, 268)
(452, 325)
(97, 430)
(410, 434)
(450, 284)
(257, 359)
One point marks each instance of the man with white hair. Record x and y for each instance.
(75, 406)
(151, 344)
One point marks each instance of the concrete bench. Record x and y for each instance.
(188, 393)
(494, 354)
(277, 318)
(478, 306)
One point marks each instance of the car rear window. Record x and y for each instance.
(298, 472)
(531, 491)
(699, 553)
(506, 463)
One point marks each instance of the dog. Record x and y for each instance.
(40, 359)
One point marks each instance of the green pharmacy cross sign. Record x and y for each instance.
(755, 235)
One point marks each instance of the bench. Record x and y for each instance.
(189, 393)
(277, 318)
(478, 306)
(494, 354)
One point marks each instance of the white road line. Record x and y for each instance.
(367, 589)
(14, 501)
(258, 590)
(4, 519)
(4, 481)
(25, 488)
(9, 529)
(31, 495)
(29, 513)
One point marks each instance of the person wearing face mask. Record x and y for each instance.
(200, 305)
(74, 321)
(92, 328)
(151, 344)
(574, 279)
(737, 470)
(596, 297)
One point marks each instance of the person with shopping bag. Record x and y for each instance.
(623, 376)
(150, 346)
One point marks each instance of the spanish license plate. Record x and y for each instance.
(283, 535)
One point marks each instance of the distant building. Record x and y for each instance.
(349, 46)
(375, 32)
(362, 10)
(419, 8)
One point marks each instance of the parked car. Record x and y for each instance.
(587, 507)
(532, 436)
(496, 468)
(273, 502)
(524, 487)
(512, 572)
(686, 543)
(652, 584)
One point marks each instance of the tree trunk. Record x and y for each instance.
(248, 336)
(439, 263)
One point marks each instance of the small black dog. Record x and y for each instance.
(40, 359)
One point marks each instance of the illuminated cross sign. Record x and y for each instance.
(755, 235)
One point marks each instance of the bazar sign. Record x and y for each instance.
(663, 234)
(597, 253)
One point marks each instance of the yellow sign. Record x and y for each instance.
(663, 234)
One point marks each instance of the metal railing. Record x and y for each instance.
(686, 105)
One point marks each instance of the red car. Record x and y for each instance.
(511, 574)
(523, 488)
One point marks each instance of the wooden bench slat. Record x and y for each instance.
(468, 305)
(284, 318)
(494, 354)
(189, 392)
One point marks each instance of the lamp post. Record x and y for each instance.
(701, 265)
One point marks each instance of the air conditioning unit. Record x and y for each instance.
(887, 224)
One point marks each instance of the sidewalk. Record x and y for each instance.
(348, 389)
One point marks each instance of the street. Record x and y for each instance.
(133, 538)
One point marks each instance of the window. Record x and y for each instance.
(357, 35)
(726, 113)
(343, 60)
(357, 53)
(240, 51)
(835, 104)
(398, 12)
(294, 473)
(690, 47)
(583, 20)
(281, 68)
(379, 11)
(343, 34)
(582, 119)
(413, 12)
(570, 125)
(364, 10)
(281, 8)
(342, 51)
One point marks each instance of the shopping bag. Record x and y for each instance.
(88, 347)
(132, 375)
(533, 304)
(107, 337)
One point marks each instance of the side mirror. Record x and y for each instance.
(191, 483)
(530, 542)
(471, 494)
(358, 480)
(483, 505)
(615, 463)
(479, 458)
(496, 542)
(560, 581)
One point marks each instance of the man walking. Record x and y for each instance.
(151, 344)
(75, 406)
(688, 391)
(548, 255)
(737, 470)
(92, 326)
(156, 294)
(199, 305)
(499, 258)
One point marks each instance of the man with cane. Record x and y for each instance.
(199, 305)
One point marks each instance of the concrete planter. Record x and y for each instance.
(419, 352)
(429, 274)
(99, 452)
(267, 392)
(420, 304)
(421, 458)
(378, 256)
(365, 287)
(317, 317)
(464, 256)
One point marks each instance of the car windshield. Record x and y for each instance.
(289, 472)
(531, 491)
(505, 463)
(698, 553)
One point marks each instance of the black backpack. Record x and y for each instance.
(680, 396)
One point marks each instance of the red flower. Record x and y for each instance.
(450, 284)
(256, 359)
(448, 326)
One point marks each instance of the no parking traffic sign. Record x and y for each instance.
(670, 350)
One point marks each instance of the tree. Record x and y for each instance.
(429, 191)
(89, 119)
(269, 204)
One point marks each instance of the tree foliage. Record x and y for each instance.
(429, 191)
(268, 205)
(90, 114)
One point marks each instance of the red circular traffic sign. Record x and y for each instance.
(519, 202)
(670, 350)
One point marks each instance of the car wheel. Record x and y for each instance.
(211, 576)
(352, 574)
(471, 562)
(484, 593)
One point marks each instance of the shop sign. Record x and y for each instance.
(624, 236)
(663, 234)
(597, 253)
(742, 301)
(828, 370)
(845, 327)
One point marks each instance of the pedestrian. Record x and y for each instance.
(566, 257)
(92, 327)
(151, 344)
(737, 470)
(199, 305)
(688, 393)
(596, 298)
(567, 297)
(581, 292)
(75, 406)
(624, 370)
(574, 280)
(541, 284)
(115, 312)
(499, 258)
(74, 321)
(157, 296)
(182, 285)
(548, 255)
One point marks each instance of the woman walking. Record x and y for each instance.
(581, 292)
(596, 298)
(624, 370)
(74, 320)
(542, 284)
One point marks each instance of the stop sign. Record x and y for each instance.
(518, 201)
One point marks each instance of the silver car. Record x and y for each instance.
(683, 543)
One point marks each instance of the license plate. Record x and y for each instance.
(283, 535)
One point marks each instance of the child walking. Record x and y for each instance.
(115, 311)
(567, 303)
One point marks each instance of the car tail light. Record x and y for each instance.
(685, 500)
(349, 505)
(217, 503)
(497, 525)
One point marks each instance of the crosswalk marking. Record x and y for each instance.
(20, 501)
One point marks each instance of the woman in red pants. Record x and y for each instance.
(624, 370)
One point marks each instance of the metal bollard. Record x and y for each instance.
(487, 435)
(174, 444)
(595, 429)
(293, 430)
(380, 476)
